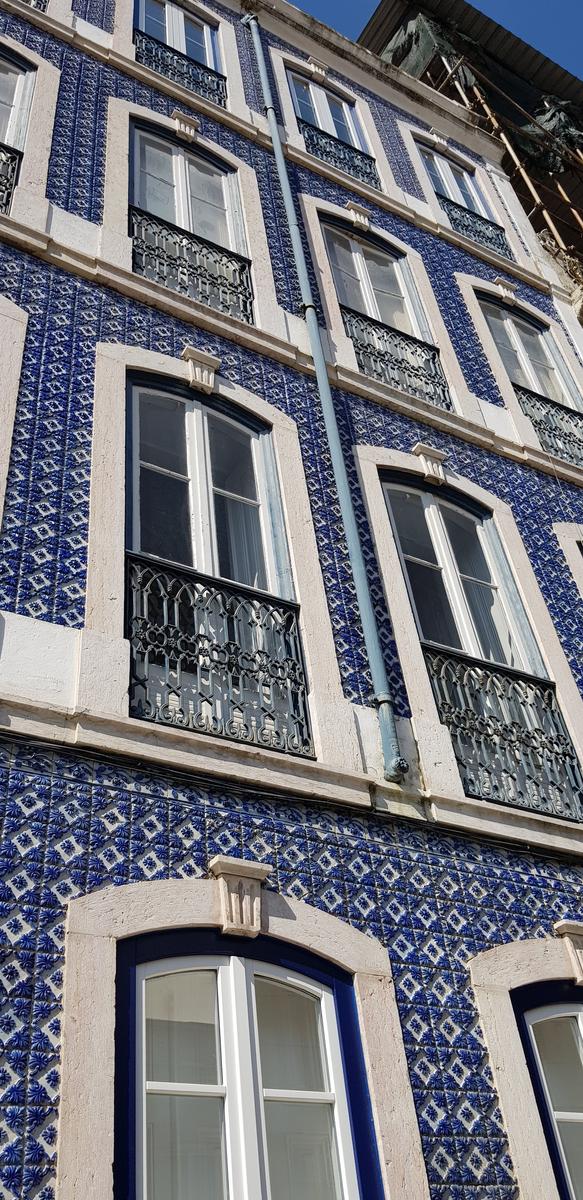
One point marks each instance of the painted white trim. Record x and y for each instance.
(568, 535)
(95, 923)
(29, 204)
(494, 974)
(438, 763)
(13, 325)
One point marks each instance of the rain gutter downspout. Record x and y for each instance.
(395, 765)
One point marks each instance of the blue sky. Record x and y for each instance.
(554, 27)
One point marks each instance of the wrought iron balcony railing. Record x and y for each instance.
(10, 160)
(189, 264)
(479, 229)
(40, 4)
(559, 429)
(508, 734)
(397, 358)
(339, 154)
(215, 658)
(180, 68)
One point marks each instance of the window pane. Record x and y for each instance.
(466, 546)
(505, 347)
(195, 41)
(433, 172)
(304, 101)
(239, 542)
(185, 1148)
(155, 19)
(411, 525)
(346, 280)
(387, 289)
(466, 195)
(339, 119)
(548, 382)
(289, 1040)
(559, 1044)
(207, 196)
(181, 1028)
(433, 607)
(494, 636)
(571, 1134)
(162, 432)
(8, 79)
(231, 459)
(165, 517)
(302, 1152)
(156, 191)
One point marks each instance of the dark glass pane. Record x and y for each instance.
(411, 525)
(467, 549)
(433, 607)
(162, 435)
(239, 542)
(165, 517)
(194, 40)
(231, 459)
(490, 623)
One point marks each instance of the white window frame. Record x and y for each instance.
(550, 351)
(319, 97)
(449, 184)
(184, 217)
(241, 1086)
(19, 116)
(175, 17)
(413, 307)
(533, 1017)
(198, 462)
(525, 645)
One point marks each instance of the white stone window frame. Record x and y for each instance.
(444, 792)
(333, 720)
(96, 922)
(415, 137)
(175, 38)
(495, 974)
(230, 66)
(116, 244)
(284, 64)
(340, 349)
(569, 535)
(518, 426)
(29, 207)
(13, 326)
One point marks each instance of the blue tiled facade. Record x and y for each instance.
(72, 824)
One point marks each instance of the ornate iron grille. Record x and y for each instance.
(559, 429)
(40, 4)
(186, 263)
(397, 358)
(180, 68)
(216, 658)
(477, 228)
(339, 154)
(9, 168)
(509, 737)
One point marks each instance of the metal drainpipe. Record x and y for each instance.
(395, 765)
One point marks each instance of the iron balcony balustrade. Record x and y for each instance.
(187, 263)
(180, 68)
(397, 358)
(476, 227)
(216, 658)
(339, 154)
(559, 429)
(41, 5)
(508, 734)
(10, 160)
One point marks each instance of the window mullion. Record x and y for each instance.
(362, 271)
(322, 109)
(200, 497)
(451, 578)
(244, 1094)
(523, 356)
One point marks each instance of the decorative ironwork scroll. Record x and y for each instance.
(216, 658)
(559, 429)
(340, 154)
(180, 68)
(9, 167)
(509, 737)
(189, 264)
(397, 358)
(476, 227)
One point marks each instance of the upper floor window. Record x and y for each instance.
(384, 317)
(240, 1084)
(556, 1036)
(199, 197)
(331, 129)
(16, 84)
(182, 46)
(461, 198)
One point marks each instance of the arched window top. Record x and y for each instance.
(529, 352)
(374, 278)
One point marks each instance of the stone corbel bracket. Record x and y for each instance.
(360, 215)
(201, 368)
(187, 127)
(572, 934)
(318, 70)
(432, 461)
(507, 288)
(240, 892)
